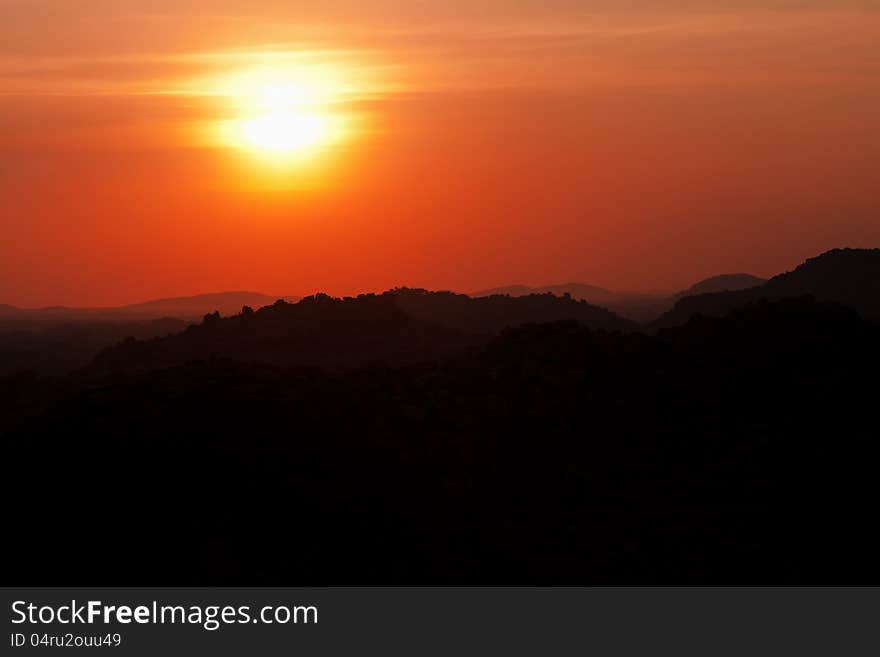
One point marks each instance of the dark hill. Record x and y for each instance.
(66, 346)
(317, 331)
(723, 283)
(226, 303)
(511, 290)
(591, 293)
(847, 276)
(6, 309)
(735, 449)
(399, 326)
(489, 315)
(635, 306)
(638, 306)
(58, 339)
(185, 308)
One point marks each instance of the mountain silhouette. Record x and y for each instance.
(317, 331)
(590, 293)
(418, 325)
(534, 440)
(489, 315)
(59, 347)
(641, 307)
(636, 306)
(723, 283)
(847, 276)
(226, 303)
(189, 307)
(57, 339)
(397, 327)
(400, 326)
(728, 449)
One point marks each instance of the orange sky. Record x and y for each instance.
(634, 144)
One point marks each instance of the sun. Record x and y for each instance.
(281, 116)
(284, 116)
(288, 118)
(283, 132)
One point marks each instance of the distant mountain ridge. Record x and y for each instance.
(589, 293)
(397, 327)
(226, 303)
(642, 307)
(723, 283)
(846, 276)
(489, 315)
(185, 307)
(58, 348)
(638, 306)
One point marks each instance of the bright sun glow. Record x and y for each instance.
(283, 131)
(285, 115)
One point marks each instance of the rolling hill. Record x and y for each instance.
(641, 307)
(846, 276)
(398, 327)
(187, 308)
(723, 283)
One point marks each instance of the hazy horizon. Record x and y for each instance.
(123, 301)
(304, 293)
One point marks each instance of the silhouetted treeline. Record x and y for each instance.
(739, 450)
(397, 327)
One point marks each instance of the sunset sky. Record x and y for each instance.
(162, 148)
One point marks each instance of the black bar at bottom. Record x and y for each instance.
(443, 621)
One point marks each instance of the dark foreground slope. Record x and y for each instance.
(57, 348)
(57, 340)
(182, 308)
(397, 327)
(847, 276)
(739, 450)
